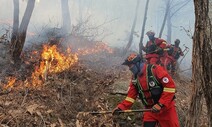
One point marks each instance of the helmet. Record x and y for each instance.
(150, 33)
(177, 42)
(132, 59)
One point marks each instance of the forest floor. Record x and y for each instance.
(64, 98)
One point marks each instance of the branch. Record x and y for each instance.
(120, 93)
(186, 2)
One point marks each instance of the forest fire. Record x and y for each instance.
(52, 61)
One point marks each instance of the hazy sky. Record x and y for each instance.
(118, 13)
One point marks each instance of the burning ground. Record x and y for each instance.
(51, 86)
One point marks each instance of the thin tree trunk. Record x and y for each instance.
(202, 65)
(132, 29)
(169, 28)
(15, 21)
(165, 17)
(66, 26)
(80, 11)
(143, 28)
(19, 43)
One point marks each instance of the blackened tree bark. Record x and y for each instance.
(66, 26)
(201, 63)
(18, 44)
(132, 29)
(143, 28)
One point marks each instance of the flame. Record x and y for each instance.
(11, 81)
(52, 61)
(99, 47)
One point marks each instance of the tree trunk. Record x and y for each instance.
(143, 27)
(80, 11)
(132, 29)
(169, 28)
(165, 17)
(19, 43)
(66, 26)
(202, 65)
(15, 21)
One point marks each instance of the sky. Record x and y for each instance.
(115, 15)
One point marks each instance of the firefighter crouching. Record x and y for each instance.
(155, 88)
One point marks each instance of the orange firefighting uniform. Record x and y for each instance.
(152, 56)
(172, 56)
(167, 117)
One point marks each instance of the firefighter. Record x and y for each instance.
(154, 48)
(156, 89)
(174, 54)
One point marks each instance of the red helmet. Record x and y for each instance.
(132, 59)
(150, 33)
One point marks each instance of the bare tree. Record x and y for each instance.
(201, 63)
(132, 29)
(165, 17)
(18, 44)
(66, 26)
(143, 27)
(172, 8)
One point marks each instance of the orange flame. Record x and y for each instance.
(52, 62)
(99, 47)
(11, 81)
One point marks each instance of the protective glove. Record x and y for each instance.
(116, 111)
(157, 107)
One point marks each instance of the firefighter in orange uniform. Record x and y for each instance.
(154, 48)
(174, 54)
(155, 88)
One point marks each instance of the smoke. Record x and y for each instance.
(115, 18)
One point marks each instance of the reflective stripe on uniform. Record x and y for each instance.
(130, 99)
(170, 90)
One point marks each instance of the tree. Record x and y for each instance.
(66, 25)
(132, 29)
(18, 44)
(201, 63)
(171, 10)
(15, 21)
(143, 28)
(165, 17)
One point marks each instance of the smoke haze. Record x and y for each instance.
(115, 16)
